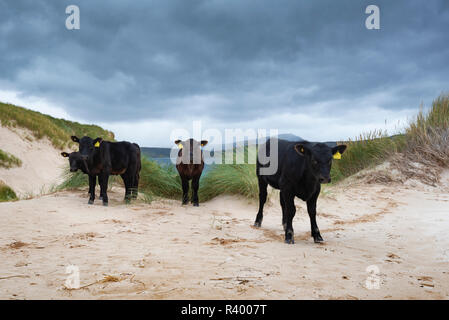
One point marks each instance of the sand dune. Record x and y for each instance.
(165, 251)
(42, 164)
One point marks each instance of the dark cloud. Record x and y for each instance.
(231, 60)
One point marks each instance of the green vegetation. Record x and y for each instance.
(234, 179)
(58, 131)
(73, 181)
(159, 180)
(6, 193)
(7, 160)
(365, 151)
(428, 135)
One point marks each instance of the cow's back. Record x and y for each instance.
(121, 155)
(290, 165)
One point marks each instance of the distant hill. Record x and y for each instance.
(154, 152)
(290, 137)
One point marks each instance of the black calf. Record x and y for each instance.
(302, 167)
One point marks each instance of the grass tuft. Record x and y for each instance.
(6, 193)
(233, 179)
(428, 134)
(159, 181)
(8, 160)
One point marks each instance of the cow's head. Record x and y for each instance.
(74, 159)
(190, 151)
(87, 146)
(319, 158)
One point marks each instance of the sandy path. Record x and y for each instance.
(165, 251)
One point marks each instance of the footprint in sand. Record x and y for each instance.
(393, 258)
(425, 281)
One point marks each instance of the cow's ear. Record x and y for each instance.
(64, 154)
(204, 142)
(301, 149)
(338, 151)
(75, 139)
(97, 142)
(179, 144)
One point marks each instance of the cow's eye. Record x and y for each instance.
(314, 162)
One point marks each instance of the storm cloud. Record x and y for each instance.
(295, 65)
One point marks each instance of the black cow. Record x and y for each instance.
(190, 165)
(302, 167)
(77, 163)
(103, 158)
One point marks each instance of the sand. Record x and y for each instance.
(164, 251)
(42, 164)
(396, 231)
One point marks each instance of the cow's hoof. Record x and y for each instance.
(90, 201)
(105, 204)
(257, 224)
(100, 198)
(318, 239)
(290, 241)
(196, 205)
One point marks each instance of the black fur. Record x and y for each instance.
(302, 167)
(109, 158)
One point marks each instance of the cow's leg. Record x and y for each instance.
(185, 190)
(262, 199)
(126, 182)
(104, 177)
(135, 188)
(99, 183)
(92, 182)
(195, 187)
(289, 203)
(311, 209)
(131, 186)
(131, 172)
(284, 212)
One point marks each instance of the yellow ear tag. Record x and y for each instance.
(180, 146)
(302, 150)
(97, 145)
(337, 156)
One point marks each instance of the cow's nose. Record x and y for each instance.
(325, 180)
(73, 170)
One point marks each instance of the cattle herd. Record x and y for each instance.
(301, 169)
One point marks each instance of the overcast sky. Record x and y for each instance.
(144, 68)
